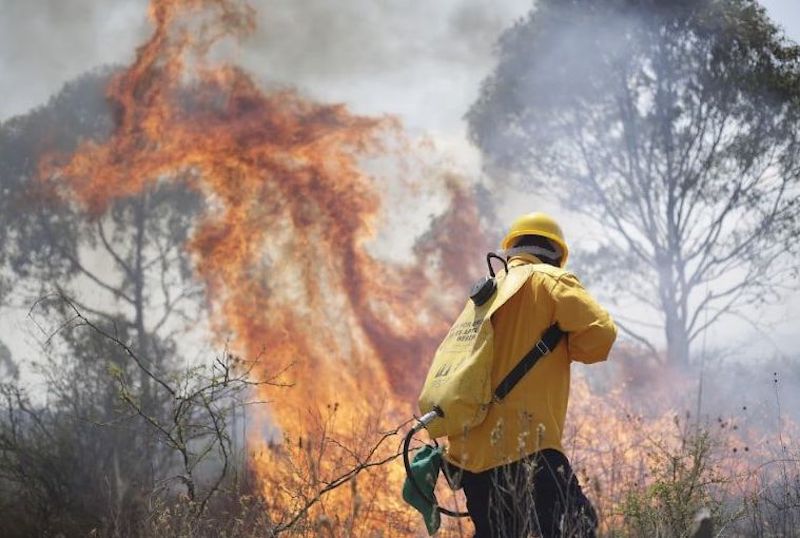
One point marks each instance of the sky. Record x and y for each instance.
(422, 61)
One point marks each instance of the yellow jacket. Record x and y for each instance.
(531, 417)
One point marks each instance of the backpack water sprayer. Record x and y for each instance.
(457, 394)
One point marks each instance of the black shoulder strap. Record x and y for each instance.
(546, 344)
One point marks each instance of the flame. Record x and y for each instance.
(284, 252)
(283, 248)
(622, 446)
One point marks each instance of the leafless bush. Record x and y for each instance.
(184, 439)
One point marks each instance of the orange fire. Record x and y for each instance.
(284, 252)
(282, 248)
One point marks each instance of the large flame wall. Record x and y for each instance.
(282, 247)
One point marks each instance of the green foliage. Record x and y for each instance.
(681, 486)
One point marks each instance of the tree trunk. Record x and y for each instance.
(139, 306)
(677, 338)
(673, 305)
(148, 405)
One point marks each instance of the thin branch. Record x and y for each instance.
(117, 258)
(633, 334)
(120, 343)
(344, 478)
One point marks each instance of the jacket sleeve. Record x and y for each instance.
(591, 329)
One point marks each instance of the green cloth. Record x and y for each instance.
(425, 470)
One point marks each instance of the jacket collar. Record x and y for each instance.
(522, 259)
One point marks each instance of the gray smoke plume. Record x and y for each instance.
(45, 43)
(422, 61)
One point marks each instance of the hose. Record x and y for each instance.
(424, 421)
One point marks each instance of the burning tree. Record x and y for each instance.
(672, 125)
(276, 240)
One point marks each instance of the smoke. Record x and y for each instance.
(422, 64)
(46, 43)
(549, 114)
(358, 52)
(365, 53)
(288, 183)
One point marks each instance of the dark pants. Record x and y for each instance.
(538, 494)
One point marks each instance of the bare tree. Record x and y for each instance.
(67, 459)
(672, 125)
(200, 400)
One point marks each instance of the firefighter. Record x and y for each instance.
(512, 466)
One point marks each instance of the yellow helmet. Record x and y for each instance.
(537, 224)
